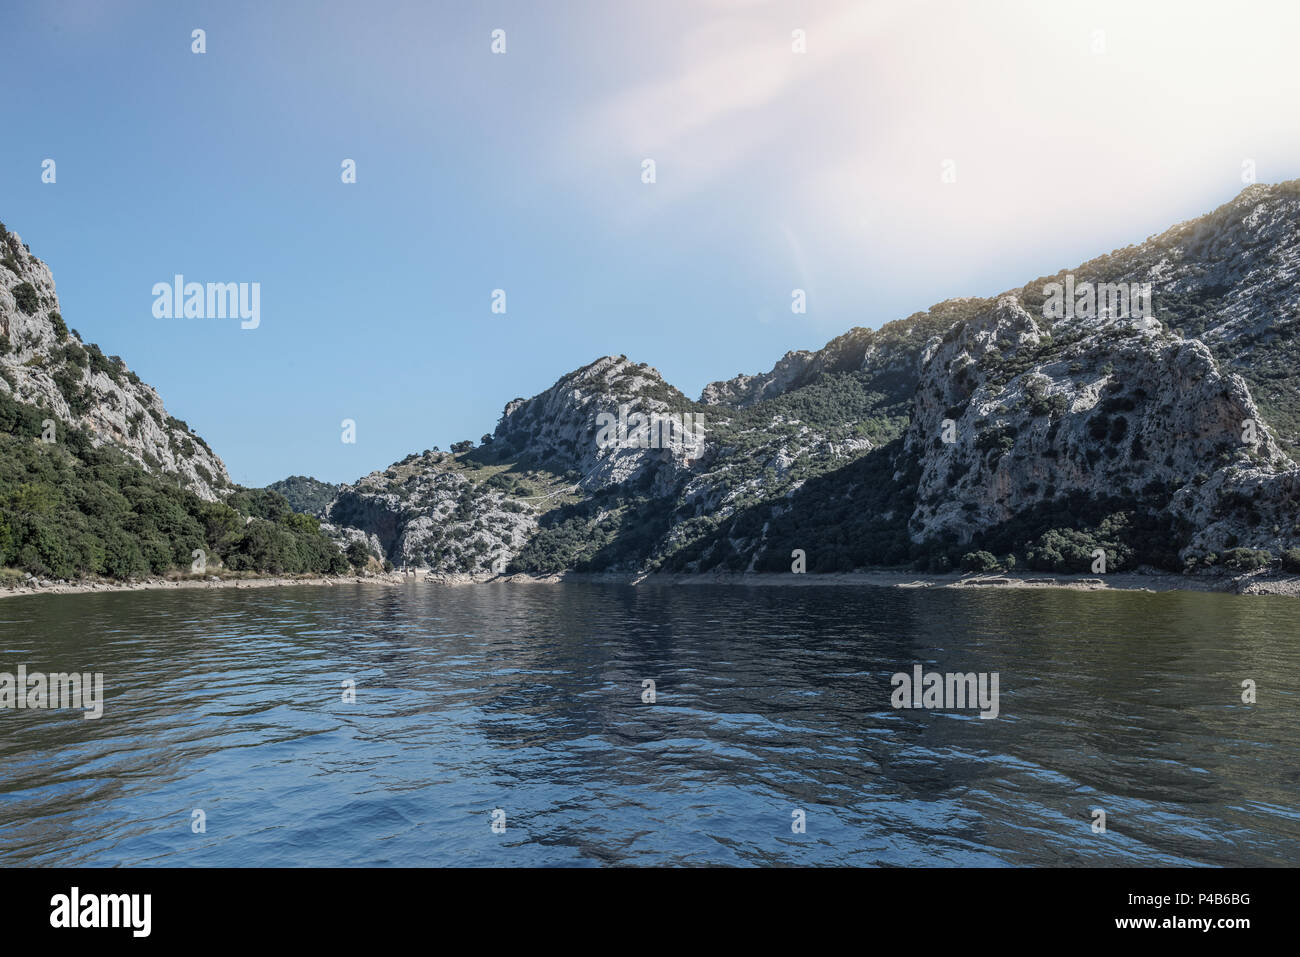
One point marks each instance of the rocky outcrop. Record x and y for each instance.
(890, 350)
(1106, 408)
(1172, 415)
(46, 364)
(427, 513)
(561, 427)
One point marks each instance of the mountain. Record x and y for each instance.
(46, 364)
(98, 480)
(305, 494)
(1143, 403)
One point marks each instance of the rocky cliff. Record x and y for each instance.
(1143, 403)
(47, 365)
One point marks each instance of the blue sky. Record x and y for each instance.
(1073, 129)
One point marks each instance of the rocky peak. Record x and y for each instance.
(46, 364)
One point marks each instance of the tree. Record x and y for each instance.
(358, 554)
(980, 561)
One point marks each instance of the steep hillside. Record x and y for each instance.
(45, 364)
(97, 480)
(1018, 428)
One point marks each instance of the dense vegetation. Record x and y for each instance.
(305, 494)
(69, 509)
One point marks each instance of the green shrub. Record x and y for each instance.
(1246, 559)
(358, 555)
(26, 297)
(979, 562)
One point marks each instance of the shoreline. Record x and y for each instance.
(206, 583)
(1250, 583)
(1253, 583)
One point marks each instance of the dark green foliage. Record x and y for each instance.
(1060, 535)
(980, 562)
(613, 530)
(68, 380)
(60, 327)
(102, 363)
(1246, 559)
(305, 494)
(26, 297)
(851, 517)
(358, 555)
(73, 355)
(69, 509)
(996, 442)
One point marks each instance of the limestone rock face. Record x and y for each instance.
(458, 513)
(1176, 408)
(423, 514)
(1108, 409)
(45, 364)
(562, 423)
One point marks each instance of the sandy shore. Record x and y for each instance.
(1149, 581)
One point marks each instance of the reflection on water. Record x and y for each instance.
(529, 699)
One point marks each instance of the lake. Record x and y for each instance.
(772, 709)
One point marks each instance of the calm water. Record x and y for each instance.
(528, 699)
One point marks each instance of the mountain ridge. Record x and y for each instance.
(1058, 446)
